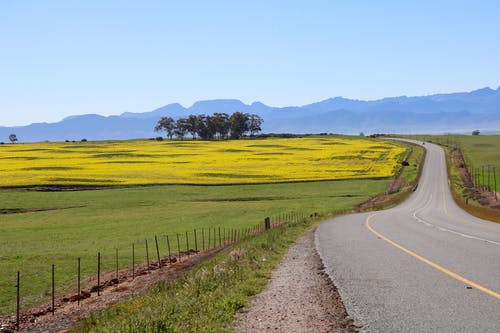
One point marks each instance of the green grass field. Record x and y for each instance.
(103, 220)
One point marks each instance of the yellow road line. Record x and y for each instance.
(430, 263)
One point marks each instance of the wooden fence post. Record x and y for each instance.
(267, 223)
(147, 254)
(98, 273)
(116, 264)
(203, 238)
(169, 253)
(53, 291)
(157, 252)
(18, 299)
(209, 231)
(79, 276)
(133, 261)
(178, 247)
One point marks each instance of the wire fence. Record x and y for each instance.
(113, 265)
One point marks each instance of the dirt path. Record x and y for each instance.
(298, 298)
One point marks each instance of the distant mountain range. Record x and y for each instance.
(456, 112)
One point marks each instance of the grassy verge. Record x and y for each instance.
(207, 299)
(463, 194)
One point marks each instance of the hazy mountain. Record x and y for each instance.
(456, 112)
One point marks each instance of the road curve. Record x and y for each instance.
(423, 266)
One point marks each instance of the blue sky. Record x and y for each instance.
(61, 58)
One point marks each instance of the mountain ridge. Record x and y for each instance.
(452, 112)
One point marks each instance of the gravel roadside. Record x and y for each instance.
(299, 297)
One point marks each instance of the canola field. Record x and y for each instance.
(141, 162)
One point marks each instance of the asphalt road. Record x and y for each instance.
(424, 266)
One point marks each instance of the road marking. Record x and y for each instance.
(427, 223)
(431, 263)
(432, 225)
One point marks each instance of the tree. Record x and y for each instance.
(192, 125)
(181, 127)
(167, 124)
(201, 126)
(211, 127)
(475, 132)
(239, 124)
(222, 124)
(254, 123)
(219, 125)
(206, 127)
(13, 138)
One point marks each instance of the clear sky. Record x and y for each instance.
(67, 57)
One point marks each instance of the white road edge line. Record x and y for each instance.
(429, 224)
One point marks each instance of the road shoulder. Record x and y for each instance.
(299, 297)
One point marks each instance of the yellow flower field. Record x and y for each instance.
(196, 162)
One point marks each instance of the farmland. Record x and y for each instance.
(196, 162)
(55, 227)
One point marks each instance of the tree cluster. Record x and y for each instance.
(217, 126)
